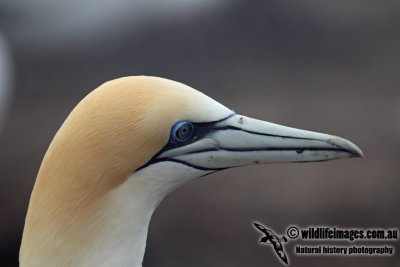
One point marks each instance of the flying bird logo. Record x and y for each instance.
(272, 239)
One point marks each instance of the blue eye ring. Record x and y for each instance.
(182, 131)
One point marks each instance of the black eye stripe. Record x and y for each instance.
(200, 129)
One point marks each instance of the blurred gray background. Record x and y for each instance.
(328, 66)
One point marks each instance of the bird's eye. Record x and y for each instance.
(182, 131)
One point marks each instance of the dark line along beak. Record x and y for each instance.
(240, 140)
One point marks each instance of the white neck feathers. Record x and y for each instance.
(121, 221)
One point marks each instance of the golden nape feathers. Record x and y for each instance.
(113, 131)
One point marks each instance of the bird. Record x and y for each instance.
(270, 238)
(128, 144)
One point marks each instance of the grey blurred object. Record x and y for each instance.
(72, 21)
(6, 78)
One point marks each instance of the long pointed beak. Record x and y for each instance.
(241, 140)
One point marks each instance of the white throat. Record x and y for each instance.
(130, 208)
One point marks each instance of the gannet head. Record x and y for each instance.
(202, 134)
(128, 144)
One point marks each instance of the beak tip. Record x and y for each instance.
(355, 151)
(359, 154)
(351, 148)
